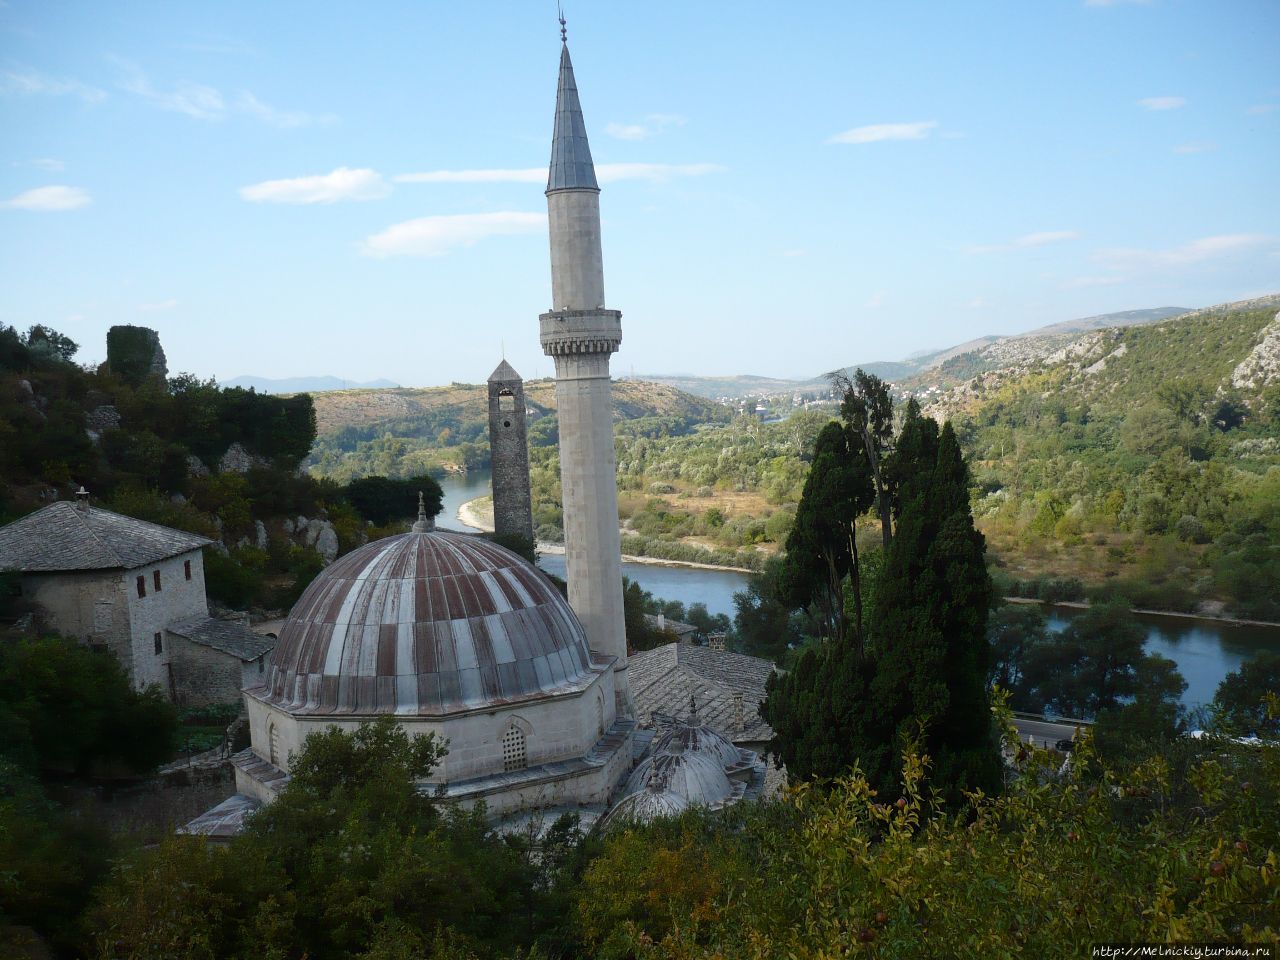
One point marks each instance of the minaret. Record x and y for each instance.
(509, 454)
(579, 334)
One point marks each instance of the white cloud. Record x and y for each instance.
(605, 173)
(1196, 146)
(192, 99)
(1025, 241)
(48, 163)
(30, 83)
(1111, 3)
(50, 198)
(159, 306)
(977, 303)
(342, 184)
(202, 102)
(1197, 251)
(876, 300)
(794, 253)
(1163, 103)
(434, 236)
(1260, 108)
(285, 119)
(650, 126)
(877, 132)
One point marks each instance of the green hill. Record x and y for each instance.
(404, 431)
(1144, 459)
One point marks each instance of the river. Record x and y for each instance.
(1204, 650)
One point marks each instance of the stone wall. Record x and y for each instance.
(557, 728)
(509, 452)
(177, 598)
(203, 676)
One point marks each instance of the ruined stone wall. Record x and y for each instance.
(509, 451)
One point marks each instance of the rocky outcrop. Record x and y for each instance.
(1262, 366)
(239, 460)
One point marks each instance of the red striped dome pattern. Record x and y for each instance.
(427, 624)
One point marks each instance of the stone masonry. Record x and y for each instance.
(509, 452)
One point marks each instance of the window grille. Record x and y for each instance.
(142, 586)
(513, 756)
(273, 739)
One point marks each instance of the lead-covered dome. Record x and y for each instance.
(427, 624)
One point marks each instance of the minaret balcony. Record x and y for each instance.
(564, 332)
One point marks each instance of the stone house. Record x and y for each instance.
(136, 589)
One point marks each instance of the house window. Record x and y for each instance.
(142, 586)
(186, 569)
(513, 757)
(273, 742)
(159, 642)
(155, 576)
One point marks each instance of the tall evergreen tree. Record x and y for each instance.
(935, 594)
(821, 550)
(922, 672)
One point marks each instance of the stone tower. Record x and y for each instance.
(579, 334)
(509, 451)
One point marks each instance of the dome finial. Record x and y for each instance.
(693, 708)
(425, 524)
(564, 33)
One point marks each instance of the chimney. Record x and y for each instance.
(716, 641)
(82, 499)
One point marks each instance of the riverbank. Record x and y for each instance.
(470, 515)
(1208, 618)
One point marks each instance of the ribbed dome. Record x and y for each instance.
(694, 736)
(427, 624)
(696, 777)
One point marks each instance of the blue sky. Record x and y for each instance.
(287, 188)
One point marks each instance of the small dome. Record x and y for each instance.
(697, 778)
(427, 624)
(695, 736)
(644, 806)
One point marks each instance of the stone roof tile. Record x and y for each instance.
(663, 678)
(67, 536)
(225, 635)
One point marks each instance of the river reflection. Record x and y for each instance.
(1204, 650)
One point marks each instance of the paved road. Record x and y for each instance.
(1042, 732)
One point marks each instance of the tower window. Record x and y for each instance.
(155, 575)
(158, 639)
(186, 569)
(513, 755)
(142, 586)
(506, 402)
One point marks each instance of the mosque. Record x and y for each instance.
(457, 636)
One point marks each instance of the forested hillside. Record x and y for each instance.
(1144, 458)
(183, 452)
(406, 431)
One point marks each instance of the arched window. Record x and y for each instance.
(273, 743)
(513, 756)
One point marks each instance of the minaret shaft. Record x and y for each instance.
(580, 334)
(577, 265)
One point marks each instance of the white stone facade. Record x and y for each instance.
(104, 607)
